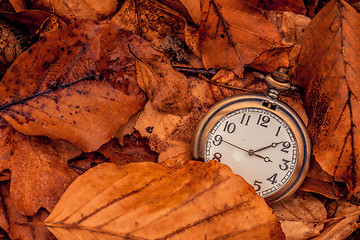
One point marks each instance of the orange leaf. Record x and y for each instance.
(134, 150)
(76, 84)
(38, 166)
(149, 201)
(17, 225)
(234, 33)
(329, 69)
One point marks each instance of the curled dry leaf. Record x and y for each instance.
(169, 134)
(234, 33)
(166, 88)
(151, 20)
(39, 171)
(133, 150)
(149, 201)
(73, 10)
(16, 224)
(329, 69)
(81, 86)
(344, 223)
(301, 216)
(29, 20)
(10, 46)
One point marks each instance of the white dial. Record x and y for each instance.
(258, 145)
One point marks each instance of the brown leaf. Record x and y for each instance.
(86, 161)
(73, 10)
(182, 7)
(29, 20)
(81, 86)
(166, 88)
(194, 9)
(134, 150)
(329, 69)
(301, 216)
(10, 46)
(344, 223)
(18, 5)
(151, 20)
(315, 185)
(16, 224)
(149, 201)
(295, 6)
(169, 134)
(234, 33)
(39, 171)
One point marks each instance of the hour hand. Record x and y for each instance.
(273, 145)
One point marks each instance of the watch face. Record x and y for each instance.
(258, 145)
(260, 138)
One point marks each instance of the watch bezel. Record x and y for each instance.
(281, 109)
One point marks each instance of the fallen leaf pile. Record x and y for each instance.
(99, 101)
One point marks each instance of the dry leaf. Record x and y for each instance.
(171, 135)
(348, 216)
(86, 161)
(181, 7)
(149, 201)
(151, 20)
(315, 185)
(18, 5)
(39, 172)
(193, 7)
(166, 88)
(329, 68)
(17, 225)
(133, 150)
(29, 20)
(73, 10)
(234, 33)
(295, 6)
(291, 27)
(81, 86)
(10, 46)
(52, 23)
(301, 216)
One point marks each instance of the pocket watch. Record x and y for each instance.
(259, 137)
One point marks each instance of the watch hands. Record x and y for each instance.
(235, 146)
(250, 152)
(271, 145)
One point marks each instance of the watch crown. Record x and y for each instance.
(281, 75)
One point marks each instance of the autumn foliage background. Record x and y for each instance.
(99, 101)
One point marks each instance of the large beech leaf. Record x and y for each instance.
(76, 84)
(38, 166)
(234, 33)
(329, 69)
(149, 201)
